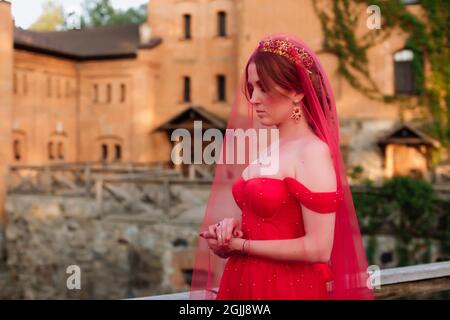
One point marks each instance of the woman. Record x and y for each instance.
(291, 234)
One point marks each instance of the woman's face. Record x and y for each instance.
(273, 109)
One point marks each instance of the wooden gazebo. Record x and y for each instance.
(407, 151)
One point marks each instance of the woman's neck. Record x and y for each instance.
(291, 130)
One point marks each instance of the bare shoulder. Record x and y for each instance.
(317, 147)
(316, 168)
(303, 149)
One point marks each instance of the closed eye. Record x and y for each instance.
(251, 88)
(258, 83)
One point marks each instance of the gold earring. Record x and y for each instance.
(296, 114)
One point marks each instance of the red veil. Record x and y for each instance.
(348, 263)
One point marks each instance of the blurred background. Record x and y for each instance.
(91, 91)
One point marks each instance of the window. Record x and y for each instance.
(60, 151)
(222, 24)
(110, 148)
(404, 73)
(406, 2)
(221, 88)
(187, 26)
(15, 83)
(104, 156)
(187, 89)
(67, 89)
(95, 93)
(122, 92)
(117, 152)
(49, 87)
(57, 144)
(18, 144)
(50, 151)
(25, 84)
(16, 150)
(58, 88)
(108, 93)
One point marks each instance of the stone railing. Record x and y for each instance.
(75, 178)
(127, 187)
(414, 280)
(80, 177)
(395, 283)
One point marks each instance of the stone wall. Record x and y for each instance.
(6, 100)
(119, 255)
(359, 146)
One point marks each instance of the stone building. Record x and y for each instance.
(115, 94)
(106, 94)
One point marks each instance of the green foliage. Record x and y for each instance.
(409, 209)
(415, 199)
(445, 225)
(98, 13)
(95, 13)
(356, 172)
(427, 38)
(51, 19)
(371, 249)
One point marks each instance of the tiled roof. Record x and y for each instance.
(93, 43)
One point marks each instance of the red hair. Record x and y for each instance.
(273, 70)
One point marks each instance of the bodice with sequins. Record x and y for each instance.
(272, 209)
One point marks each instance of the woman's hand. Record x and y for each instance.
(224, 231)
(219, 251)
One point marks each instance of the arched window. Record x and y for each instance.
(186, 89)
(49, 87)
(19, 145)
(222, 24)
(104, 156)
(15, 83)
(123, 92)
(406, 2)
(60, 151)
(108, 93)
(117, 152)
(50, 151)
(25, 84)
(95, 93)
(17, 150)
(58, 88)
(67, 89)
(187, 26)
(57, 144)
(221, 87)
(404, 72)
(110, 148)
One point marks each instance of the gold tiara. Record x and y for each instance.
(286, 49)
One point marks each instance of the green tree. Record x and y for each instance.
(97, 13)
(51, 19)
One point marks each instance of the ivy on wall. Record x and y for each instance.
(428, 39)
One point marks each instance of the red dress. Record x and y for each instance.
(271, 210)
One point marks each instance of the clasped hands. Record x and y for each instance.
(222, 237)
